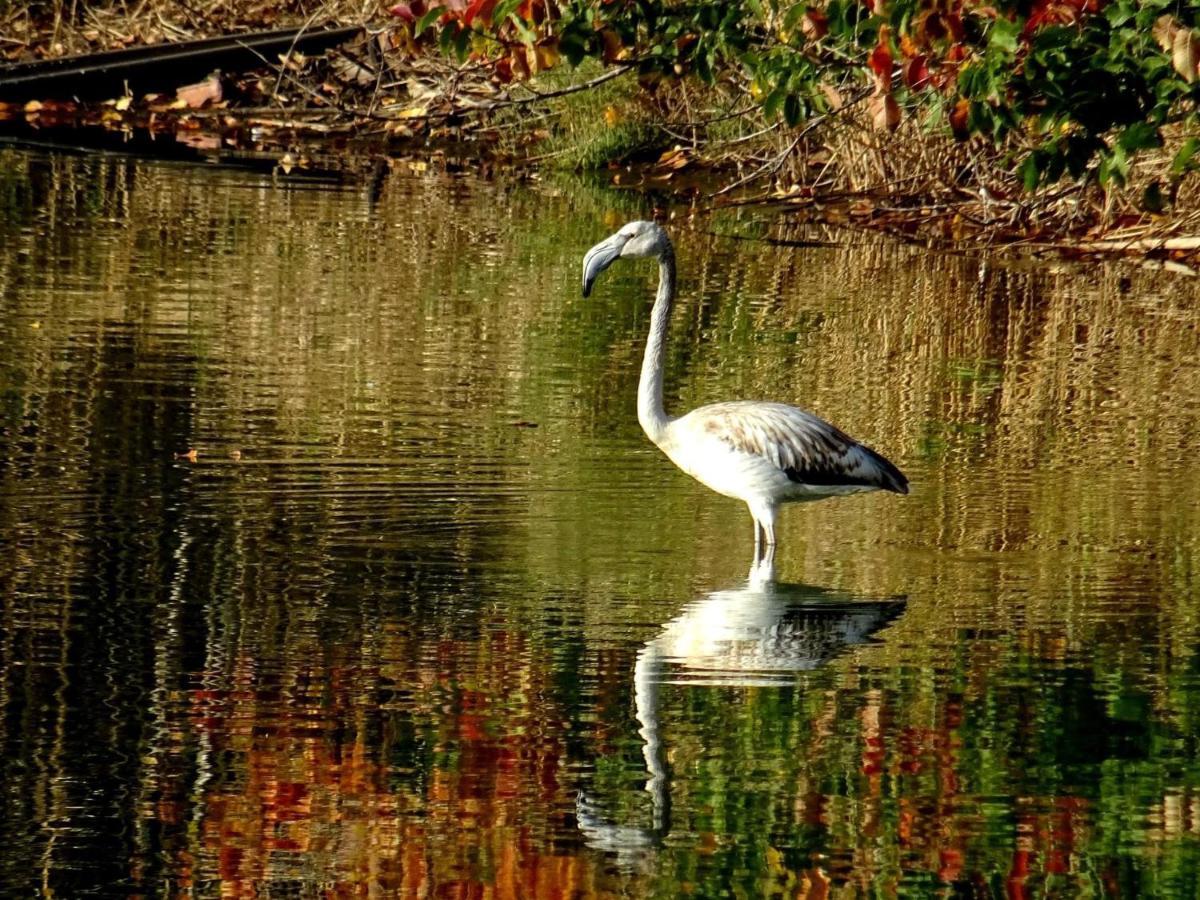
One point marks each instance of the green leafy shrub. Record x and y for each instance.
(1073, 87)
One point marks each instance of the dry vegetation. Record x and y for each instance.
(391, 94)
(63, 27)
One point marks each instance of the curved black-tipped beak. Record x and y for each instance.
(600, 258)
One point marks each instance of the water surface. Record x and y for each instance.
(334, 562)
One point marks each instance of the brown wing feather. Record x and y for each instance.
(805, 447)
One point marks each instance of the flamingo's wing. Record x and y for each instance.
(804, 447)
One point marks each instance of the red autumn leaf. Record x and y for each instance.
(958, 119)
(955, 24)
(478, 9)
(1058, 12)
(684, 43)
(930, 27)
(532, 10)
(814, 25)
(916, 73)
(880, 62)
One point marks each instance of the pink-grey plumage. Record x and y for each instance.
(762, 453)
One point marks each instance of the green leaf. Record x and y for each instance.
(1139, 136)
(504, 9)
(1182, 163)
(794, 15)
(1003, 35)
(574, 41)
(527, 35)
(462, 43)
(1114, 167)
(1118, 14)
(1030, 172)
(793, 110)
(428, 19)
(774, 101)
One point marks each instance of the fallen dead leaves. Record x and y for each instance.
(1182, 43)
(200, 94)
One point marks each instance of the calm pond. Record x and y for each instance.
(424, 614)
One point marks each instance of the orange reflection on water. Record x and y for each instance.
(298, 799)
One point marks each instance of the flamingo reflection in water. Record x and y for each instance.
(760, 634)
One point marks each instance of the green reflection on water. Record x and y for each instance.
(382, 632)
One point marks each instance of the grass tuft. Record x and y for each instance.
(596, 128)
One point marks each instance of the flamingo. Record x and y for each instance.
(764, 454)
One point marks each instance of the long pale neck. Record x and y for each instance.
(651, 415)
(647, 676)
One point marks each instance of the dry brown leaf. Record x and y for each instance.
(1185, 51)
(548, 56)
(200, 140)
(885, 112)
(520, 64)
(294, 60)
(1164, 31)
(351, 72)
(833, 95)
(673, 159)
(614, 50)
(202, 92)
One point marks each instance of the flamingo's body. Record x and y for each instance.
(764, 454)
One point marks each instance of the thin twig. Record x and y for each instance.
(771, 168)
(288, 56)
(539, 96)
